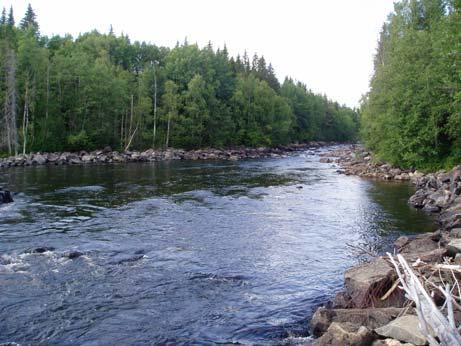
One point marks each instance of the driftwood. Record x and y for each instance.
(438, 328)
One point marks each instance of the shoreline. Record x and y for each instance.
(108, 156)
(371, 309)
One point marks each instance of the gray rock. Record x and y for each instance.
(454, 247)
(346, 334)
(39, 159)
(371, 318)
(367, 283)
(405, 328)
(455, 233)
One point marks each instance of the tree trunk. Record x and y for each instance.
(10, 104)
(25, 119)
(168, 130)
(155, 108)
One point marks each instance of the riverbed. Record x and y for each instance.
(186, 252)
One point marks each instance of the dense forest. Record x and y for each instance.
(412, 114)
(60, 93)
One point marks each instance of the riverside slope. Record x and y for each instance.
(369, 311)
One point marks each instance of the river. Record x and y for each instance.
(186, 252)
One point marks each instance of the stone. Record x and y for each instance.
(405, 328)
(371, 318)
(420, 244)
(39, 159)
(5, 196)
(401, 242)
(342, 301)
(367, 283)
(455, 233)
(451, 217)
(417, 200)
(454, 247)
(345, 334)
(87, 158)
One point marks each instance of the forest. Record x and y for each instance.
(411, 116)
(63, 93)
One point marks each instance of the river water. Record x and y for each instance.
(180, 252)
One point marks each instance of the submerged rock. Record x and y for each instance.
(5, 196)
(40, 250)
(73, 254)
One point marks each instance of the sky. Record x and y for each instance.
(326, 44)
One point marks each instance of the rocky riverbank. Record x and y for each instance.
(107, 155)
(372, 310)
(355, 160)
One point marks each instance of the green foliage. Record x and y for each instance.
(98, 90)
(79, 141)
(411, 116)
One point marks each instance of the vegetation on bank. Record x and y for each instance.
(60, 93)
(412, 115)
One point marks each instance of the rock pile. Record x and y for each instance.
(109, 156)
(371, 310)
(440, 193)
(355, 160)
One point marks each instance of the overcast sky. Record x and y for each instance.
(327, 44)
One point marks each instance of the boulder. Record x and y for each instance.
(418, 199)
(451, 217)
(401, 242)
(345, 334)
(367, 283)
(371, 318)
(87, 158)
(422, 243)
(405, 328)
(454, 247)
(455, 233)
(39, 159)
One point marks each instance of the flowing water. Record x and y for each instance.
(181, 252)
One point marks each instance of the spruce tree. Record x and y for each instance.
(10, 20)
(29, 20)
(3, 18)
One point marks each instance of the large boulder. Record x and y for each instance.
(367, 283)
(371, 318)
(405, 328)
(346, 334)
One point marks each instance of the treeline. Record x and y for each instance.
(412, 114)
(60, 93)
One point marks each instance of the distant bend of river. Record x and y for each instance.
(185, 252)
